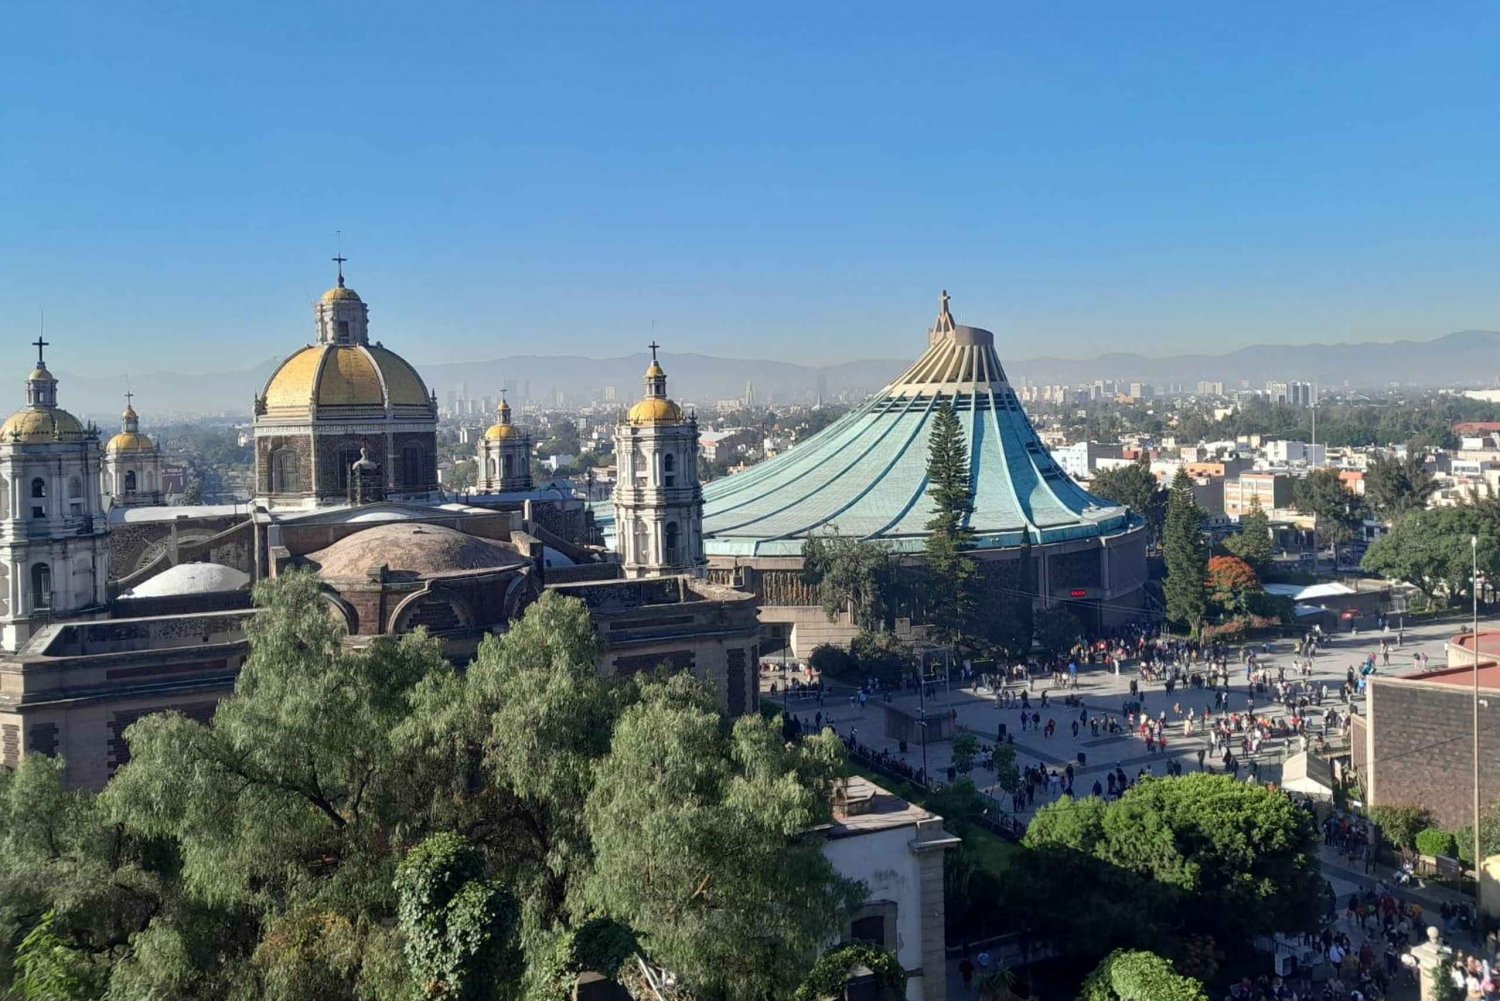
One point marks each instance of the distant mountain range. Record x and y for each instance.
(1468, 358)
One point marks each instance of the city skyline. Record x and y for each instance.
(752, 185)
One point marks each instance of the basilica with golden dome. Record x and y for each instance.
(335, 400)
(504, 457)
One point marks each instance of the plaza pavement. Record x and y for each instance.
(1104, 694)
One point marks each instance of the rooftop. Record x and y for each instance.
(867, 807)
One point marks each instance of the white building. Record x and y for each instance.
(504, 455)
(1287, 453)
(658, 498)
(895, 849)
(132, 465)
(1080, 459)
(52, 529)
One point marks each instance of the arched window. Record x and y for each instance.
(414, 466)
(669, 470)
(348, 456)
(38, 487)
(671, 544)
(75, 487)
(285, 475)
(129, 482)
(41, 585)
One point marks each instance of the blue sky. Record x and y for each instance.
(760, 180)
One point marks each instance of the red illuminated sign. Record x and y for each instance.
(1078, 592)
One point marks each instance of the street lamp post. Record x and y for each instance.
(1478, 859)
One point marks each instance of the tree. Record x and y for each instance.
(463, 475)
(952, 576)
(1056, 630)
(965, 746)
(1232, 584)
(192, 493)
(1201, 853)
(1394, 487)
(1135, 486)
(851, 575)
(834, 970)
(1139, 976)
(1335, 510)
(458, 926)
(1431, 550)
(1399, 825)
(1186, 556)
(1252, 543)
(696, 833)
(372, 823)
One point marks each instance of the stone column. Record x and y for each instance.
(1429, 957)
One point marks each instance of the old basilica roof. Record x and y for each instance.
(343, 369)
(410, 551)
(42, 420)
(867, 475)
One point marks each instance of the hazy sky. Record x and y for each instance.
(760, 179)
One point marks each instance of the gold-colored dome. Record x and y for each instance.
(41, 424)
(40, 374)
(654, 371)
(129, 441)
(340, 292)
(502, 432)
(342, 375)
(655, 410)
(129, 414)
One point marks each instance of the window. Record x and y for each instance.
(285, 475)
(129, 482)
(671, 544)
(343, 331)
(413, 466)
(668, 467)
(510, 465)
(38, 487)
(41, 585)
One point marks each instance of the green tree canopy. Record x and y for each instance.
(1198, 854)
(853, 575)
(1139, 976)
(1394, 487)
(1336, 511)
(1431, 550)
(372, 824)
(1252, 543)
(1135, 486)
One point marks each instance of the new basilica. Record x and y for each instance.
(114, 606)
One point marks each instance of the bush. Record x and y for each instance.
(1139, 976)
(1435, 842)
(880, 655)
(832, 972)
(1399, 825)
(834, 662)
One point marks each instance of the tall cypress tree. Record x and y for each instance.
(1186, 556)
(954, 577)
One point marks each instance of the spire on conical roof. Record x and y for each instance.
(944, 323)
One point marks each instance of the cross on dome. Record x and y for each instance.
(40, 343)
(340, 259)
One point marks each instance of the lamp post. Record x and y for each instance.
(1478, 859)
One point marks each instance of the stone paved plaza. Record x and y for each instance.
(1104, 695)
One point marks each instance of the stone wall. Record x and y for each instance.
(301, 444)
(1420, 747)
(134, 545)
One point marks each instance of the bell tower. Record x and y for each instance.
(658, 497)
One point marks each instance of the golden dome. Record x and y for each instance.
(129, 441)
(502, 432)
(41, 424)
(655, 410)
(129, 414)
(344, 375)
(654, 371)
(340, 292)
(40, 374)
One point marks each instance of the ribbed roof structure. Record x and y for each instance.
(867, 473)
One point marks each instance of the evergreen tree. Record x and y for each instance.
(954, 576)
(1135, 486)
(1186, 556)
(1252, 543)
